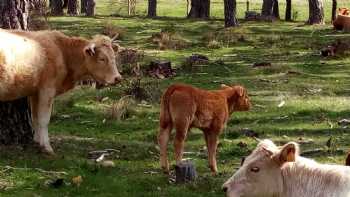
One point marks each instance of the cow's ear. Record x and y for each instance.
(288, 153)
(90, 49)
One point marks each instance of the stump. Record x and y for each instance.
(185, 172)
(161, 69)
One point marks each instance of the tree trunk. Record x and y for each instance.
(73, 7)
(275, 9)
(230, 13)
(15, 116)
(334, 9)
(316, 13)
(199, 9)
(56, 7)
(83, 6)
(90, 7)
(267, 8)
(152, 8)
(288, 10)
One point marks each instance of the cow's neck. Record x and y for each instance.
(301, 180)
(75, 58)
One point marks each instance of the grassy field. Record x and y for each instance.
(315, 91)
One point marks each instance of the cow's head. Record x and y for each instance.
(343, 11)
(260, 174)
(100, 60)
(238, 98)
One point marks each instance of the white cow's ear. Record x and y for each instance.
(90, 49)
(288, 153)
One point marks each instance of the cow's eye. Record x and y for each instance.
(102, 59)
(255, 169)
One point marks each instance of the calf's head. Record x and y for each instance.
(100, 60)
(238, 99)
(260, 173)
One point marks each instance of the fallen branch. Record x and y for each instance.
(6, 168)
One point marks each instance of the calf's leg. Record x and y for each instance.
(163, 139)
(182, 127)
(212, 143)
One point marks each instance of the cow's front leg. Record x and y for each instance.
(44, 108)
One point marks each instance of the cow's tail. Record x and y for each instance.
(165, 116)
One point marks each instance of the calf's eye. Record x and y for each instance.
(255, 169)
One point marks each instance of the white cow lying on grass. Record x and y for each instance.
(44, 64)
(272, 171)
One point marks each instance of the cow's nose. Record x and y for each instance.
(224, 189)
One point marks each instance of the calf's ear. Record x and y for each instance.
(240, 91)
(288, 153)
(224, 86)
(90, 49)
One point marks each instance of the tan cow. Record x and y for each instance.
(272, 171)
(184, 107)
(44, 64)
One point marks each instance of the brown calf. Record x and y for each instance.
(184, 107)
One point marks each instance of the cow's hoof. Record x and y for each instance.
(47, 150)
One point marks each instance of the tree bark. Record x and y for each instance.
(73, 7)
(90, 7)
(199, 9)
(230, 13)
(316, 12)
(56, 7)
(152, 8)
(267, 8)
(275, 9)
(288, 10)
(83, 6)
(334, 9)
(15, 116)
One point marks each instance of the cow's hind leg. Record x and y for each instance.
(182, 127)
(46, 98)
(163, 138)
(34, 109)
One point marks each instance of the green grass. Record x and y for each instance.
(316, 97)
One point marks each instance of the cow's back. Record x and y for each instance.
(22, 59)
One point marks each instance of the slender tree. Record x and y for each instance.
(316, 12)
(152, 8)
(90, 7)
(15, 116)
(230, 13)
(199, 9)
(334, 9)
(56, 7)
(288, 10)
(267, 8)
(275, 9)
(73, 7)
(83, 6)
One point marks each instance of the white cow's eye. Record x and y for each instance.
(255, 169)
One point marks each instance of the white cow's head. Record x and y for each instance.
(260, 174)
(100, 60)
